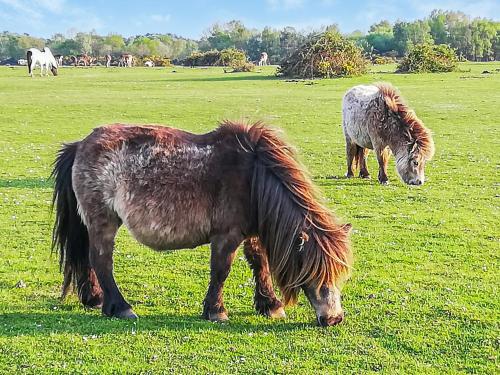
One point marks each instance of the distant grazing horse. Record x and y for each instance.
(44, 58)
(173, 190)
(376, 117)
(108, 60)
(59, 59)
(126, 60)
(263, 59)
(149, 64)
(84, 59)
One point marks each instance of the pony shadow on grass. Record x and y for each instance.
(26, 183)
(87, 323)
(226, 78)
(333, 180)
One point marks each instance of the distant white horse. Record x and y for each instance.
(149, 64)
(263, 59)
(59, 59)
(44, 58)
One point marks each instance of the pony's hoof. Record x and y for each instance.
(94, 307)
(218, 317)
(365, 176)
(349, 175)
(126, 314)
(278, 313)
(384, 182)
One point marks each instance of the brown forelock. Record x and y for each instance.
(418, 132)
(288, 211)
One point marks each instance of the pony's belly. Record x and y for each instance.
(168, 237)
(162, 224)
(360, 136)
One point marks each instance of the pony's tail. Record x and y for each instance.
(30, 59)
(70, 236)
(360, 154)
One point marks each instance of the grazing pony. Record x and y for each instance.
(376, 117)
(263, 59)
(59, 59)
(173, 190)
(44, 58)
(84, 59)
(126, 60)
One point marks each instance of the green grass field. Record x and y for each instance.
(424, 294)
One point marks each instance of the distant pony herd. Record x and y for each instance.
(46, 60)
(238, 184)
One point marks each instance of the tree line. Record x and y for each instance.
(473, 39)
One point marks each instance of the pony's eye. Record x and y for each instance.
(415, 163)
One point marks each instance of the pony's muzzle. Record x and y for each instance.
(416, 181)
(327, 321)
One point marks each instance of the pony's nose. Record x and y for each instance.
(416, 181)
(326, 321)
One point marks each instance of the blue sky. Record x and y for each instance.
(192, 18)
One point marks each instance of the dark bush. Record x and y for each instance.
(325, 55)
(424, 58)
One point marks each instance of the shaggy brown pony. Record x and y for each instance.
(173, 189)
(376, 117)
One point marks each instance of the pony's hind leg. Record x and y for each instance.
(265, 299)
(102, 234)
(383, 158)
(223, 250)
(350, 149)
(363, 156)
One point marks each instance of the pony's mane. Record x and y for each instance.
(290, 217)
(418, 132)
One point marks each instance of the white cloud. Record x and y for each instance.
(54, 6)
(38, 11)
(20, 7)
(482, 8)
(285, 4)
(161, 17)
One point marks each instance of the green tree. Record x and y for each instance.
(116, 42)
(408, 34)
(68, 47)
(483, 35)
(290, 40)
(459, 33)
(437, 23)
(381, 37)
(270, 43)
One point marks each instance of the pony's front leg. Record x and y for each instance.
(101, 242)
(265, 299)
(223, 250)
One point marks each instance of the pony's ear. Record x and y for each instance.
(347, 228)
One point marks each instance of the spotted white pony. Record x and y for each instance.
(44, 58)
(263, 59)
